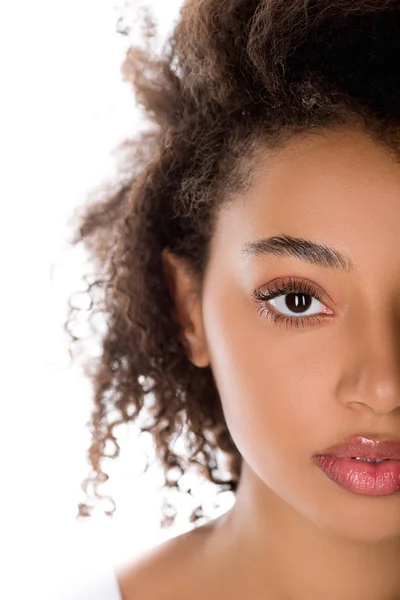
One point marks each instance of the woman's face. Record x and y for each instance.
(289, 389)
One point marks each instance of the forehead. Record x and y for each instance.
(338, 187)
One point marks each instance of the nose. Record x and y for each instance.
(373, 379)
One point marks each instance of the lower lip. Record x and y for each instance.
(360, 477)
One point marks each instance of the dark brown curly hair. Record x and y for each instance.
(234, 77)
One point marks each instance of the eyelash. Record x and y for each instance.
(289, 286)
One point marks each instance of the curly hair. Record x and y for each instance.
(234, 77)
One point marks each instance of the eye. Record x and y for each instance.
(282, 302)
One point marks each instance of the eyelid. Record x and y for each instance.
(286, 285)
(318, 292)
(273, 305)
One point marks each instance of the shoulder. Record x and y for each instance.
(169, 570)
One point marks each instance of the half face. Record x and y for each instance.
(308, 368)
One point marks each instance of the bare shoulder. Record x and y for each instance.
(174, 570)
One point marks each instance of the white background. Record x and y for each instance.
(64, 109)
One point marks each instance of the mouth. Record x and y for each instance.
(370, 460)
(365, 448)
(362, 476)
(363, 465)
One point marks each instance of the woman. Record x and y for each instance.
(250, 271)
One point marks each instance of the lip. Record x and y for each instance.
(361, 446)
(362, 477)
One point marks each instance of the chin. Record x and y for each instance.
(355, 517)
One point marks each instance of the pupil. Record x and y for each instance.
(297, 302)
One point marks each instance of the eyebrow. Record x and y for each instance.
(312, 252)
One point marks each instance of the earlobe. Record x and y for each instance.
(184, 290)
(196, 339)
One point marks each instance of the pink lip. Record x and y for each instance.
(358, 477)
(364, 447)
(361, 477)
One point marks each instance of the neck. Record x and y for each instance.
(270, 548)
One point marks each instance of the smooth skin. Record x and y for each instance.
(290, 392)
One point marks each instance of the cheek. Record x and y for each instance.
(270, 387)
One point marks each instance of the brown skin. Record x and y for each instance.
(289, 393)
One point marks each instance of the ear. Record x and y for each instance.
(185, 291)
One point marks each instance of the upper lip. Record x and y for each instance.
(360, 446)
